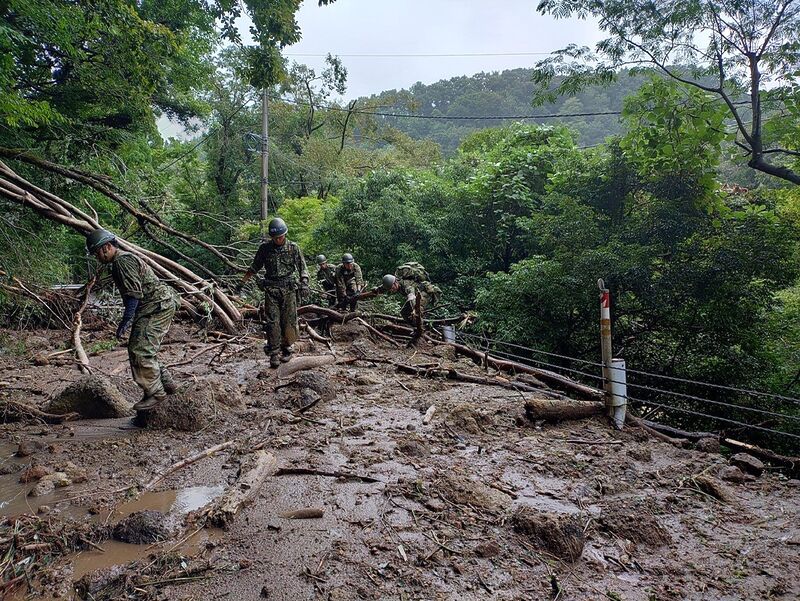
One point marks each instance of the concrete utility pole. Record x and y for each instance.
(264, 159)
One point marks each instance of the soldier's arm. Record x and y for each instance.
(255, 266)
(130, 278)
(302, 269)
(359, 277)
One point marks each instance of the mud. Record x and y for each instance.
(470, 506)
(91, 397)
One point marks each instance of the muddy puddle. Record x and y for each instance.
(176, 503)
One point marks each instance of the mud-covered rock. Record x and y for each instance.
(318, 382)
(747, 463)
(43, 487)
(708, 445)
(92, 397)
(225, 390)
(188, 410)
(74, 473)
(559, 535)
(413, 446)
(90, 585)
(487, 549)
(35, 473)
(348, 332)
(463, 490)
(731, 473)
(715, 488)
(28, 447)
(469, 419)
(635, 523)
(143, 527)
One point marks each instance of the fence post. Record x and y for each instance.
(605, 337)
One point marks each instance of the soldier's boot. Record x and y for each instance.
(149, 402)
(167, 381)
(266, 348)
(286, 354)
(274, 361)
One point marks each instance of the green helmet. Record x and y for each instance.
(321, 259)
(347, 258)
(277, 227)
(388, 281)
(98, 238)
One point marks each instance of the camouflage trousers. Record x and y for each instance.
(344, 300)
(280, 325)
(147, 332)
(407, 312)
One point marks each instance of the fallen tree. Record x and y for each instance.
(17, 189)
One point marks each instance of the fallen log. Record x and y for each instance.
(790, 464)
(23, 410)
(301, 363)
(556, 410)
(429, 414)
(676, 432)
(678, 442)
(551, 378)
(255, 470)
(332, 313)
(304, 514)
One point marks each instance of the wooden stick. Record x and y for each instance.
(377, 332)
(558, 410)
(25, 409)
(301, 363)
(429, 414)
(792, 464)
(305, 471)
(196, 355)
(77, 322)
(184, 462)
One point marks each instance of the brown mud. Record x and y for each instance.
(477, 504)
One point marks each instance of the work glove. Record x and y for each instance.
(305, 291)
(131, 304)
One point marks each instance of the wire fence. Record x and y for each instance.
(679, 401)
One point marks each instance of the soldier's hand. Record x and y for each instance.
(122, 329)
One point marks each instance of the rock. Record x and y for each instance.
(27, 448)
(41, 359)
(92, 397)
(715, 488)
(34, 473)
(75, 473)
(38, 343)
(461, 489)
(189, 410)
(225, 391)
(367, 379)
(318, 382)
(96, 582)
(731, 473)
(10, 468)
(43, 509)
(356, 430)
(43, 487)
(793, 483)
(142, 527)
(708, 445)
(468, 418)
(413, 447)
(60, 479)
(634, 522)
(487, 549)
(559, 535)
(747, 463)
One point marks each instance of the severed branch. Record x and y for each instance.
(14, 409)
(254, 471)
(184, 462)
(77, 323)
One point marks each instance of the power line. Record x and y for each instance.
(419, 55)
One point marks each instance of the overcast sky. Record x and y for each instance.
(429, 27)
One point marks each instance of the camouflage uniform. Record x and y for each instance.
(326, 276)
(412, 278)
(157, 305)
(283, 267)
(348, 283)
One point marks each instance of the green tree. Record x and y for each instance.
(732, 49)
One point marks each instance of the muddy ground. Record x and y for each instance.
(477, 504)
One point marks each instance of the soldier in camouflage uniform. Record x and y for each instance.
(326, 277)
(409, 279)
(285, 275)
(149, 308)
(349, 282)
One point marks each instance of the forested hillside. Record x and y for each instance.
(505, 93)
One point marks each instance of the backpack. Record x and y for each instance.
(412, 271)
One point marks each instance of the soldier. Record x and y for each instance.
(326, 276)
(349, 282)
(285, 274)
(149, 308)
(409, 279)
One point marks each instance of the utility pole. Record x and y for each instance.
(264, 159)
